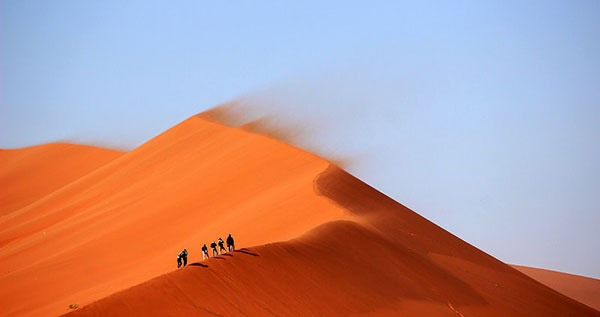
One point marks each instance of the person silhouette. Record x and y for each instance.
(221, 247)
(179, 256)
(185, 254)
(230, 245)
(204, 252)
(213, 245)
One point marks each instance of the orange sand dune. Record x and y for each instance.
(384, 261)
(583, 289)
(125, 222)
(29, 174)
(325, 243)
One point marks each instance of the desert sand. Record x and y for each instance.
(312, 239)
(31, 173)
(581, 288)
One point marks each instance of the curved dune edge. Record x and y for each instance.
(581, 288)
(325, 242)
(123, 223)
(386, 261)
(31, 173)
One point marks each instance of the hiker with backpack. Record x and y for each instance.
(221, 247)
(184, 255)
(230, 246)
(213, 245)
(204, 252)
(179, 257)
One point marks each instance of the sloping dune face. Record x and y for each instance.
(318, 241)
(581, 288)
(29, 174)
(386, 260)
(125, 222)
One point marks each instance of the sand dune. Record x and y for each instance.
(31, 173)
(583, 289)
(385, 261)
(125, 222)
(319, 241)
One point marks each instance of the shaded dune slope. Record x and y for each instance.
(385, 260)
(29, 174)
(124, 223)
(581, 288)
(324, 242)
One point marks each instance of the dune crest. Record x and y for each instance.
(581, 288)
(124, 223)
(385, 260)
(30, 173)
(317, 241)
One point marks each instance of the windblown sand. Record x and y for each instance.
(101, 229)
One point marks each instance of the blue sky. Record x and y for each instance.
(483, 116)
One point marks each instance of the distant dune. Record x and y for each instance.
(316, 241)
(29, 174)
(581, 288)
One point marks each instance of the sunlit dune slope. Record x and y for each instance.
(125, 222)
(319, 241)
(581, 288)
(29, 174)
(385, 260)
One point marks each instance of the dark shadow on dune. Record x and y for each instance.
(245, 251)
(391, 220)
(218, 258)
(351, 193)
(198, 264)
(226, 254)
(397, 222)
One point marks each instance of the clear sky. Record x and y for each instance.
(483, 116)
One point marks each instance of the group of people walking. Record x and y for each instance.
(182, 256)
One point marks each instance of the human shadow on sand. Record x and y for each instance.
(198, 264)
(218, 258)
(246, 251)
(226, 254)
